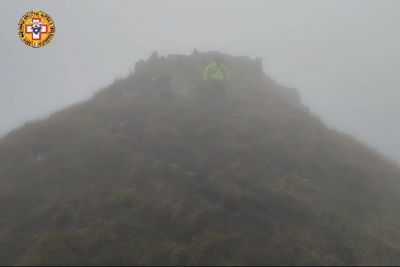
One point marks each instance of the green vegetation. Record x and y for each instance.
(149, 172)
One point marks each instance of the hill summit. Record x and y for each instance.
(156, 170)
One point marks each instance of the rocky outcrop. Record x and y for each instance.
(185, 73)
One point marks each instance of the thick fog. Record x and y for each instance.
(343, 56)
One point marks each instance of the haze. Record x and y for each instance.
(343, 56)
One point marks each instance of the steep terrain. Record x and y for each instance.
(155, 170)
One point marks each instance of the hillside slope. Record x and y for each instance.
(154, 170)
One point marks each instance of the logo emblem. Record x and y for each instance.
(36, 29)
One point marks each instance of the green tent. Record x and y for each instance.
(216, 71)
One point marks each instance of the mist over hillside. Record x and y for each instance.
(156, 169)
(341, 55)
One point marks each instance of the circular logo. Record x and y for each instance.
(36, 29)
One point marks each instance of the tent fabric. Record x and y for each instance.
(216, 71)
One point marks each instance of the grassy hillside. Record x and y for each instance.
(155, 170)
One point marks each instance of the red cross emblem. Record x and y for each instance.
(36, 28)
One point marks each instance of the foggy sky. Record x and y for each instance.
(343, 56)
